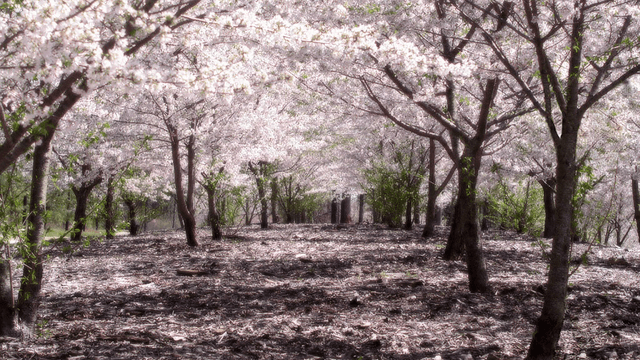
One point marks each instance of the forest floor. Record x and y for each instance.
(316, 292)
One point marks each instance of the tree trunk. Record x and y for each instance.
(274, 201)
(334, 211)
(345, 210)
(109, 223)
(548, 191)
(465, 226)
(214, 216)
(360, 208)
(432, 194)
(549, 324)
(185, 206)
(133, 224)
(476, 268)
(264, 208)
(8, 319)
(67, 220)
(31, 283)
(455, 243)
(80, 216)
(408, 224)
(416, 212)
(485, 215)
(636, 204)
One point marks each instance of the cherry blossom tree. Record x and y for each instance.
(583, 50)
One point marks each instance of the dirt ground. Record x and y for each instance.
(317, 292)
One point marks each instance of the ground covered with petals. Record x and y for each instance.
(318, 292)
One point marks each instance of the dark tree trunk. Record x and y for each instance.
(67, 220)
(133, 224)
(438, 220)
(25, 209)
(214, 216)
(408, 224)
(469, 232)
(433, 216)
(31, 283)
(185, 206)
(247, 213)
(636, 204)
(109, 223)
(465, 223)
(549, 325)
(334, 211)
(455, 243)
(361, 208)
(82, 197)
(8, 319)
(416, 212)
(345, 210)
(274, 201)
(548, 191)
(485, 215)
(260, 172)
(264, 208)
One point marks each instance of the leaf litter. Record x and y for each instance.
(318, 292)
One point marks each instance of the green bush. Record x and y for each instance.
(519, 207)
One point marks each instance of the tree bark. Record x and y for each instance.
(274, 201)
(264, 207)
(109, 223)
(549, 325)
(345, 210)
(408, 223)
(260, 172)
(334, 211)
(133, 224)
(82, 197)
(548, 191)
(433, 191)
(636, 204)
(361, 208)
(8, 319)
(31, 283)
(185, 205)
(214, 215)
(465, 224)
(455, 243)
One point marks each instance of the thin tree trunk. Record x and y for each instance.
(67, 220)
(184, 208)
(274, 201)
(334, 211)
(361, 208)
(636, 204)
(408, 224)
(264, 207)
(80, 216)
(214, 215)
(345, 210)
(109, 223)
(416, 212)
(133, 224)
